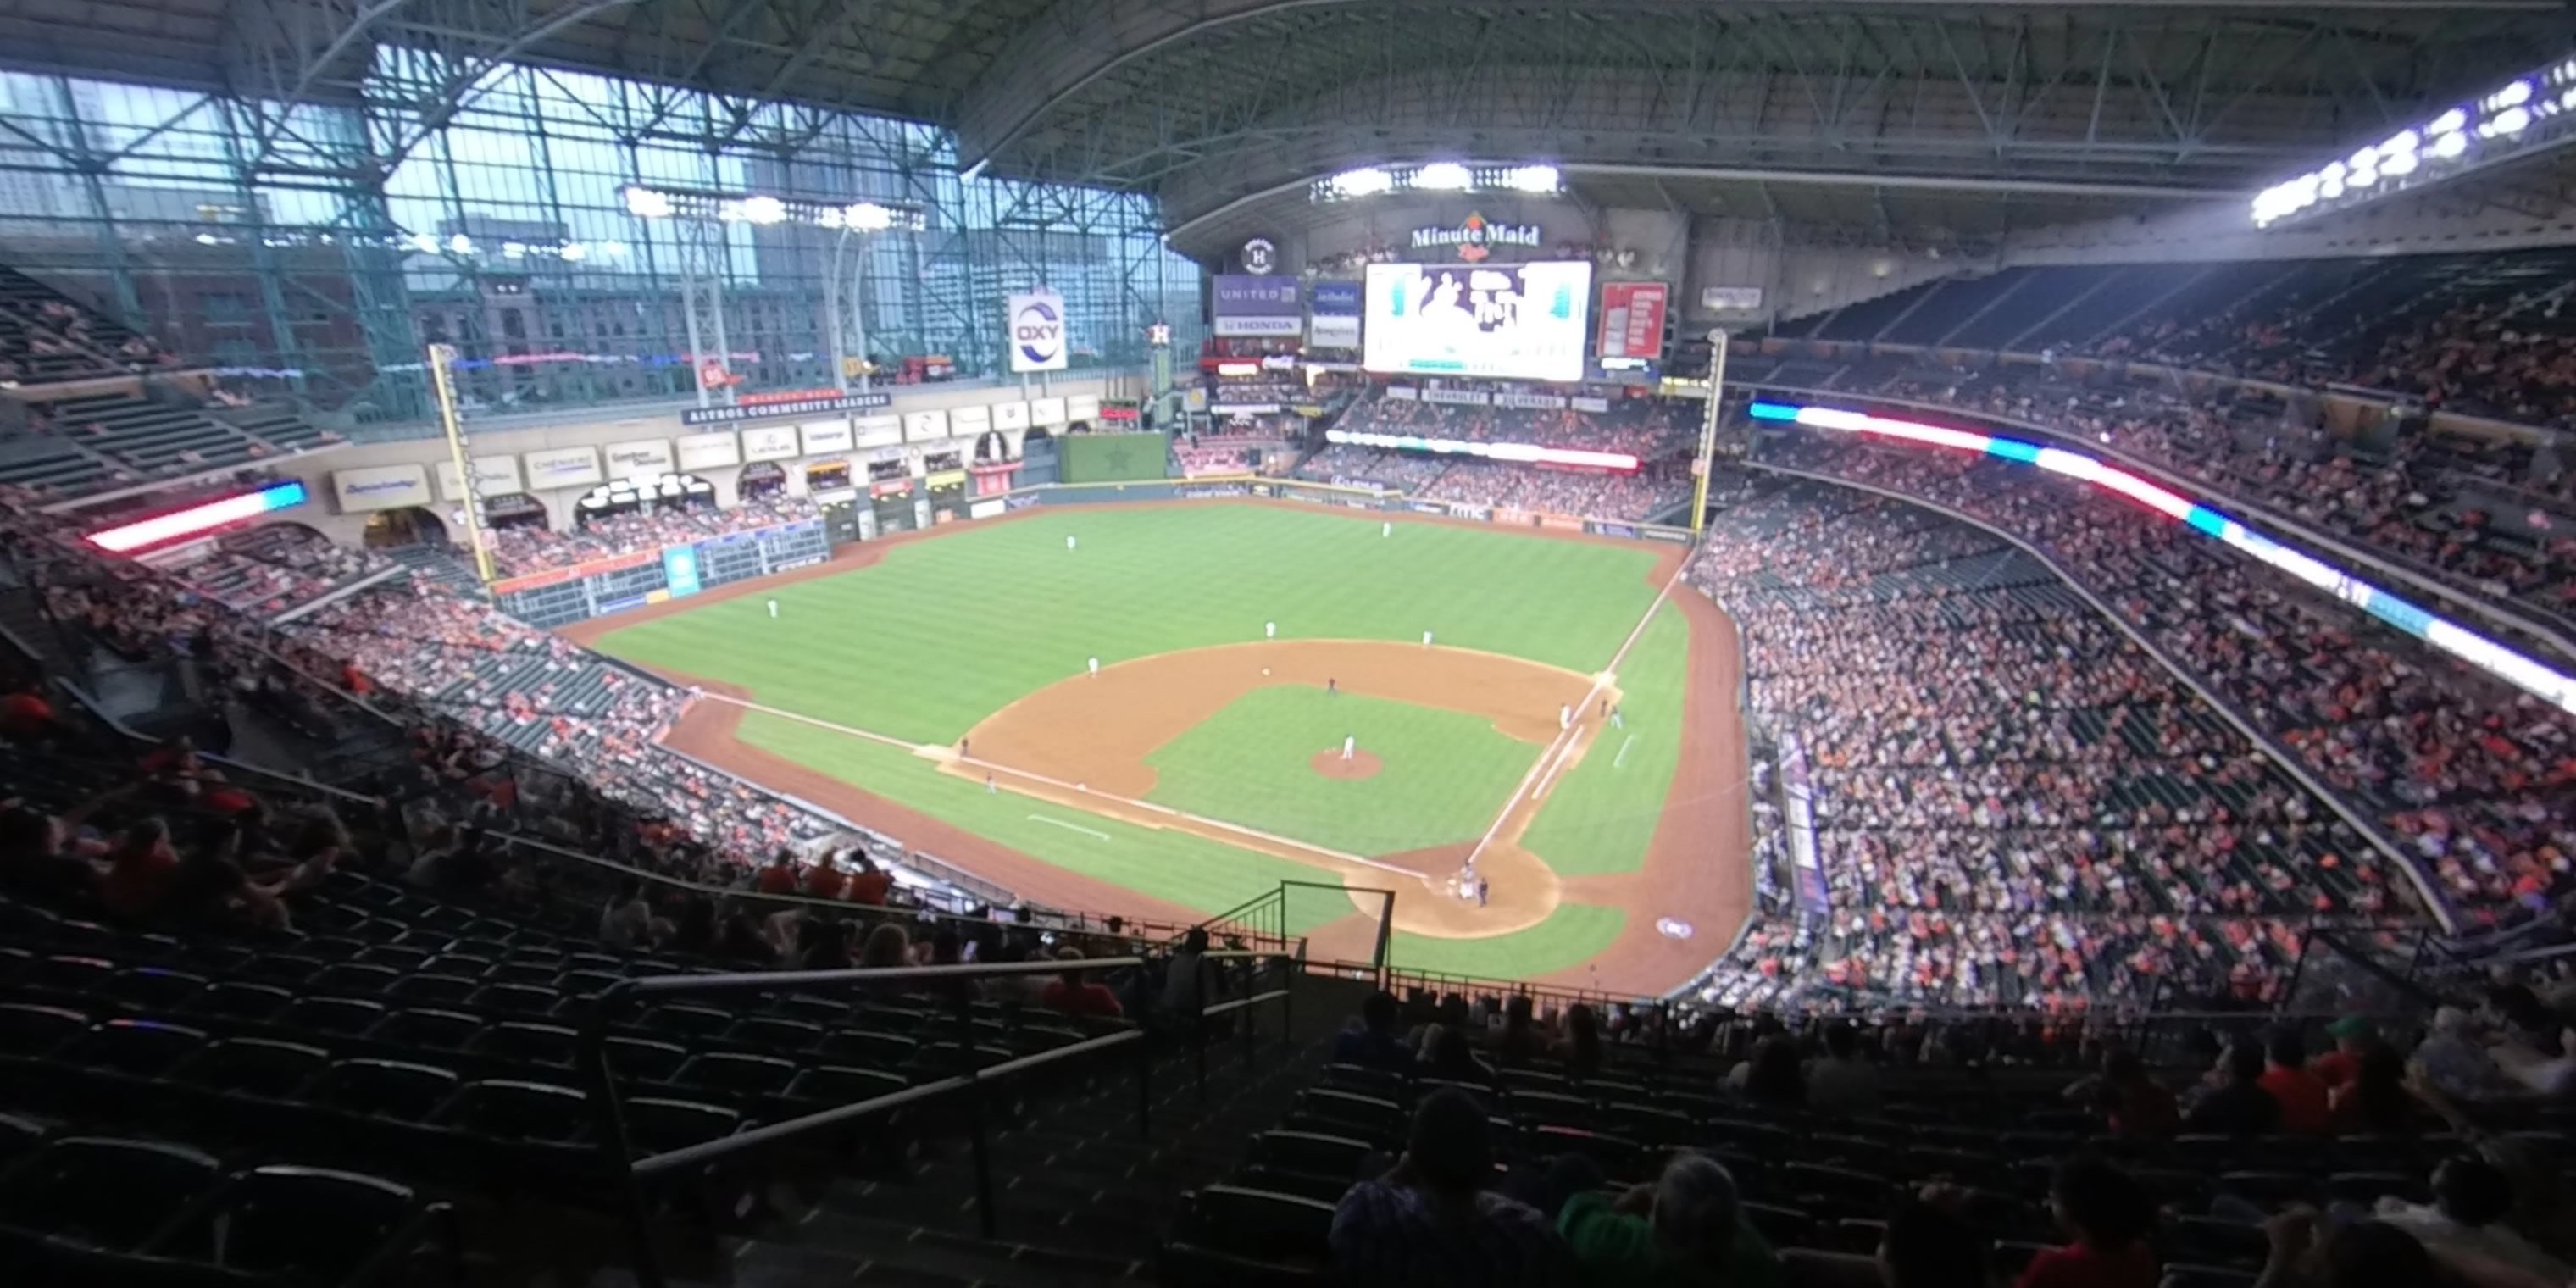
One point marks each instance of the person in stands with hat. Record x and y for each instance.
(2353, 1037)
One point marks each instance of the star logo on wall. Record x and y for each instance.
(1118, 458)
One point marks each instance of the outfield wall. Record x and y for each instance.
(562, 596)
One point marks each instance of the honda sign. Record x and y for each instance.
(1037, 332)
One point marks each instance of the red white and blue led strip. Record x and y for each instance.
(1517, 453)
(2523, 672)
(161, 529)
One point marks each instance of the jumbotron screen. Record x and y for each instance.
(1503, 321)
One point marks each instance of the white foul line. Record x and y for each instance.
(1548, 757)
(1070, 827)
(1622, 757)
(1061, 785)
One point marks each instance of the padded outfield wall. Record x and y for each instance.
(1112, 458)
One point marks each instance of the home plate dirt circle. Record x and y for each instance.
(1330, 764)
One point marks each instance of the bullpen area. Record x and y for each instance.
(1264, 706)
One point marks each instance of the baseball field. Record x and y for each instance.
(1570, 723)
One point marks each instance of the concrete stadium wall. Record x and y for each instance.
(1797, 280)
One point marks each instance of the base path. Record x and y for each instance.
(1683, 906)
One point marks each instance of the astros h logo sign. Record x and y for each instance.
(1038, 331)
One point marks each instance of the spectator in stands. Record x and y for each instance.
(1841, 1082)
(2238, 1105)
(627, 923)
(887, 947)
(870, 884)
(1685, 1228)
(2467, 1220)
(1771, 1075)
(1189, 979)
(1070, 993)
(2451, 1063)
(1447, 1055)
(2133, 1105)
(1580, 1050)
(140, 867)
(2375, 1101)
(1372, 1041)
(2353, 1038)
(2106, 1216)
(46, 854)
(1519, 1044)
(2302, 1095)
(1430, 1222)
(2364, 1254)
(779, 877)
(824, 880)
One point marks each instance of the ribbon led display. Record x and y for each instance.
(1517, 453)
(198, 518)
(2531, 676)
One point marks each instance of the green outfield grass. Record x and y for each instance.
(1445, 776)
(943, 632)
(1598, 819)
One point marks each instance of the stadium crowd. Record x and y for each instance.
(2473, 778)
(1641, 427)
(2414, 505)
(473, 679)
(522, 548)
(45, 337)
(2012, 803)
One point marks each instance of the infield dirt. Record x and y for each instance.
(1683, 906)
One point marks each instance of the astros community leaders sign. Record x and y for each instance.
(1036, 337)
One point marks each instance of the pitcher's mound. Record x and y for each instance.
(1330, 764)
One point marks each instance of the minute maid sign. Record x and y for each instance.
(1475, 239)
(1037, 332)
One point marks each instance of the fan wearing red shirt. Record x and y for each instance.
(2302, 1094)
(870, 884)
(779, 877)
(1070, 994)
(2107, 1216)
(824, 881)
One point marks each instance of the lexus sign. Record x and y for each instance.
(1037, 332)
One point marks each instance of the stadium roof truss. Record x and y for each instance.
(1872, 116)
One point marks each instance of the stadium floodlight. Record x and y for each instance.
(2522, 117)
(1367, 181)
(1443, 176)
(461, 244)
(645, 203)
(763, 210)
(866, 217)
(1531, 178)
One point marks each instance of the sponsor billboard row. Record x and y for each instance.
(1251, 305)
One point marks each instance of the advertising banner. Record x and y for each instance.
(493, 476)
(1534, 402)
(1082, 407)
(1037, 332)
(776, 444)
(1632, 319)
(1455, 397)
(968, 422)
(1511, 518)
(876, 431)
(1595, 405)
(1049, 412)
(1515, 321)
(1430, 507)
(680, 569)
(643, 458)
(1009, 415)
(1403, 393)
(709, 451)
(1560, 522)
(1337, 299)
(380, 487)
(1615, 530)
(774, 406)
(986, 509)
(1461, 510)
(1333, 331)
(1244, 304)
(561, 467)
(825, 437)
(922, 426)
(1731, 299)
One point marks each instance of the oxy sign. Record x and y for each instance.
(1037, 332)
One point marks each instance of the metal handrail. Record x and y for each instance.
(632, 1173)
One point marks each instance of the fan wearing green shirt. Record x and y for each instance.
(1684, 1230)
